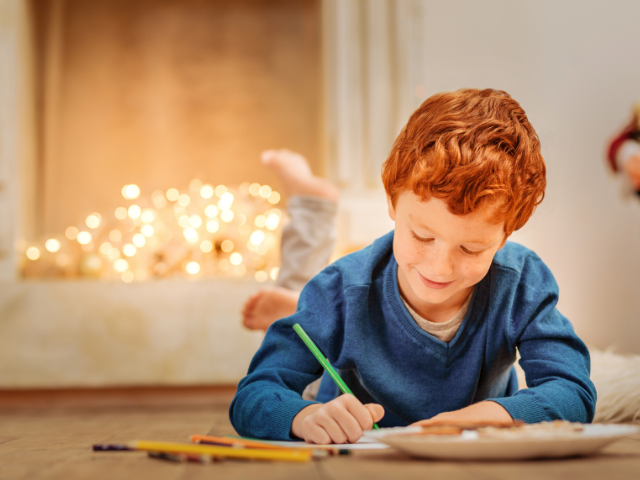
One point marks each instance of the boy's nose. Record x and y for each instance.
(440, 265)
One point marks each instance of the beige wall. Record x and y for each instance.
(573, 65)
(158, 92)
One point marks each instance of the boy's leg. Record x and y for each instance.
(308, 240)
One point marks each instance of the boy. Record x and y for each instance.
(423, 324)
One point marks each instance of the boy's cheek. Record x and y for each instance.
(475, 272)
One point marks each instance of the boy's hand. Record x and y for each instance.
(490, 412)
(341, 420)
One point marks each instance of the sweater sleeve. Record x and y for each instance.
(270, 396)
(555, 361)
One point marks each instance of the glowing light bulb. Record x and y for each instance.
(105, 248)
(265, 191)
(272, 221)
(220, 190)
(244, 188)
(257, 237)
(173, 194)
(93, 220)
(206, 191)
(147, 230)
(115, 235)
(71, 233)
(121, 264)
(235, 259)
(227, 246)
(127, 277)
(121, 213)
(206, 246)
(93, 263)
(211, 211)
(183, 200)
(254, 189)
(212, 226)
(139, 240)
(52, 245)
(192, 268)
(190, 234)
(226, 216)
(134, 211)
(129, 250)
(84, 238)
(261, 276)
(274, 198)
(225, 201)
(261, 221)
(114, 254)
(183, 221)
(274, 273)
(130, 192)
(195, 221)
(33, 253)
(178, 209)
(147, 216)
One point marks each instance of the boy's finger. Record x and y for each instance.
(361, 414)
(316, 434)
(350, 424)
(377, 411)
(331, 427)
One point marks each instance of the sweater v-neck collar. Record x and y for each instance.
(446, 352)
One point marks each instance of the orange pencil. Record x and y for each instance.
(235, 442)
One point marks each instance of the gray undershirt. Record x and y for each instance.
(444, 331)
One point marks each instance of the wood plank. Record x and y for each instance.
(56, 443)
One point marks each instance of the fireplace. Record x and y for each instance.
(112, 104)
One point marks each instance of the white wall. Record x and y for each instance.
(574, 66)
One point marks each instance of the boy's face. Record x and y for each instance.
(440, 255)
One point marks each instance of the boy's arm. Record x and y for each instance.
(556, 365)
(269, 397)
(555, 361)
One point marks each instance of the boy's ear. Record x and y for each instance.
(392, 211)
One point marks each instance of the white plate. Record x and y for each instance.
(468, 447)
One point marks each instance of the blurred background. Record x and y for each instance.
(184, 95)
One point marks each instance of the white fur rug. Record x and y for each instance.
(617, 381)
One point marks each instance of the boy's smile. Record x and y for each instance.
(441, 256)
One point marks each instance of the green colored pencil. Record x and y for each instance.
(324, 361)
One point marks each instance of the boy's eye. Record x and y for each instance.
(469, 252)
(421, 239)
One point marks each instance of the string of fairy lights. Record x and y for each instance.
(204, 231)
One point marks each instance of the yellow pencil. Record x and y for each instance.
(215, 451)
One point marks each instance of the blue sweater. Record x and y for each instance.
(353, 312)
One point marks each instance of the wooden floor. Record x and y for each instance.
(55, 443)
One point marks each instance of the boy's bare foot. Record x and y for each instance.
(267, 306)
(293, 169)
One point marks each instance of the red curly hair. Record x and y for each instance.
(473, 149)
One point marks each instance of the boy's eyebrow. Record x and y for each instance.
(426, 227)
